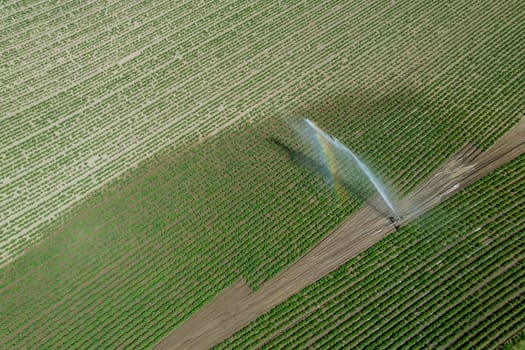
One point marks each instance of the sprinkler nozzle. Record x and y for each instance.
(396, 221)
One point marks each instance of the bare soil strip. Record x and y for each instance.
(238, 305)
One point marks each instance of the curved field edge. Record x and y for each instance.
(153, 242)
(66, 157)
(129, 111)
(239, 160)
(88, 257)
(451, 278)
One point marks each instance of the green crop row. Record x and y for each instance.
(87, 183)
(466, 259)
(139, 258)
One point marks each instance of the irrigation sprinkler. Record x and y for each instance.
(335, 156)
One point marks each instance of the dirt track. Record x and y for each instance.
(238, 305)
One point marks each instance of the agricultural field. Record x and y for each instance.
(453, 278)
(145, 167)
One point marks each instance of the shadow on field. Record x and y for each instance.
(301, 159)
(375, 124)
(376, 121)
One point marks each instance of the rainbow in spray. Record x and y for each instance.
(324, 151)
(341, 163)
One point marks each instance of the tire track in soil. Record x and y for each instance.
(238, 305)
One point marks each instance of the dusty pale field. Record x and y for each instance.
(91, 90)
(86, 100)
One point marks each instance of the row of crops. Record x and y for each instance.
(148, 245)
(125, 114)
(135, 260)
(30, 154)
(453, 278)
(49, 144)
(124, 250)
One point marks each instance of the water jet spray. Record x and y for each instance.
(334, 156)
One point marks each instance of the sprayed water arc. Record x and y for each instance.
(332, 150)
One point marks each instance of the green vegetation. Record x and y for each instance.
(404, 84)
(517, 344)
(155, 247)
(452, 278)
